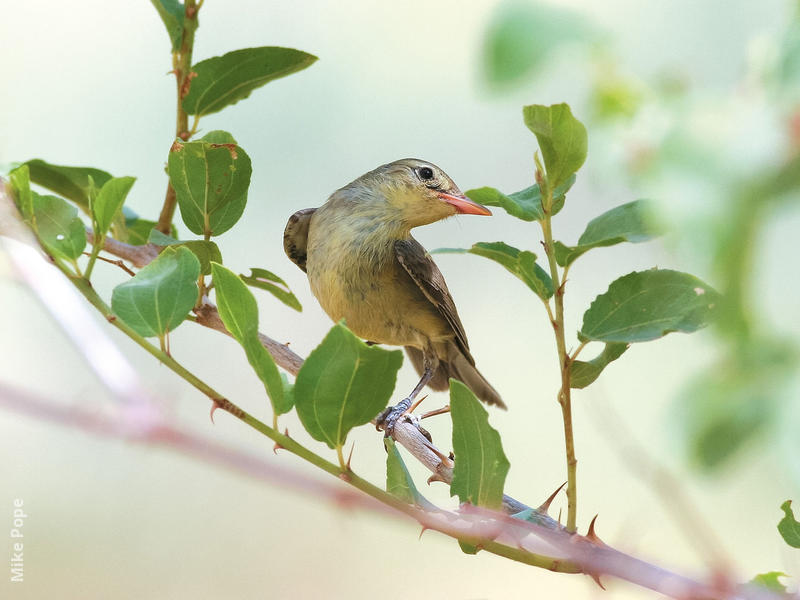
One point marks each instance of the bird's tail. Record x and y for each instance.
(458, 367)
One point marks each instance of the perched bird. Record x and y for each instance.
(364, 267)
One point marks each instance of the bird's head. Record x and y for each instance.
(418, 192)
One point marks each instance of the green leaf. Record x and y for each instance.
(206, 251)
(138, 231)
(58, 227)
(267, 280)
(172, 14)
(585, 372)
(788, 526)
(647, 305)
(72, 183)
(480, 464)
(21, 182)
(398, 480)
(770, 581)
(562, 140)
(631, 222)
(467, 548)
(525, 204)
(226, 79)
(520, 263)
(210, 182)
(521, 37)
(108, 203)
(218, 136)
(342, 384)
(159, 297)
(239, 311)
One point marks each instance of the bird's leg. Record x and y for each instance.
(387, 419)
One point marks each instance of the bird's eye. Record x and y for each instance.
(426, 173)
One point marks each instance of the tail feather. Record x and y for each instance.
(458, 367)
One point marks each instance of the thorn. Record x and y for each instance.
(286, 432)
(559, 516)
(439, 411)
(436, 477)
(277, 447)
(592, 536)
(546, 504)
(451, 456)
(415, 405)
(214, 406)
(597, 580)
(424, 529)
(440, 455)
(350, 456)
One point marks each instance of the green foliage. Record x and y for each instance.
(219, 136)
(58, 227)
(172, 13)
(562, 140)
(585, 373)
(770, 581)
(206, 251)
(631, 222)
(226, 79)
(72, 183)
(137, 231)
(239, 311)
(343, 383)
(159, 297)
(210, 182)
(521, 37)
(647, 305)
(525, 204)
(399, 482)
(788, 526)
(108, 203)
(727, 406)
(481, 465)
(21, 183)
(267, 280)
(520, 263)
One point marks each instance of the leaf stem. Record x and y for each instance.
(182, 67)
(564, 360)
(92, 259)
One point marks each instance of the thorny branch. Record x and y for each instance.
(493, 531)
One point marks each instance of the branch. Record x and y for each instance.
(492, 531)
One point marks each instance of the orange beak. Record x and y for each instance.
(464, 205)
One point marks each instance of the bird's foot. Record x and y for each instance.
(387, 419)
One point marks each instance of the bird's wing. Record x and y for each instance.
(420, 266)
(295, 236)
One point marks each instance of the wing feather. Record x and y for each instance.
(295, 236)
(420, 266)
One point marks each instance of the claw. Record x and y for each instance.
(389, 417)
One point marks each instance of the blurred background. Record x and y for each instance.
(693, 104)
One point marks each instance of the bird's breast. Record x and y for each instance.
(355, 276)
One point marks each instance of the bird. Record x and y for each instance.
(365, 268)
